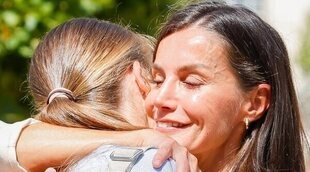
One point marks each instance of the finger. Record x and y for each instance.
(180, 155)
(193, 163)
(163, 153)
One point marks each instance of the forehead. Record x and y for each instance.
(193, 45)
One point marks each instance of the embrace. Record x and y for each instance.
(213, 93)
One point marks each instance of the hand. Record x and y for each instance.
(168, 147)
(185, 161)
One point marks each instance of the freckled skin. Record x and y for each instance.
(205, 96)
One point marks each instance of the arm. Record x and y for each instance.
(51, 145)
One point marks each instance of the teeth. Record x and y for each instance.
(174, 124)
(164, 124)
(168, 124)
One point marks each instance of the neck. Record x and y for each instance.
(133, 112)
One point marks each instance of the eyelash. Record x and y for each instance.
(191, 85)
(187, 84)
(156, 82)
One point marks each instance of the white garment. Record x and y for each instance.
(9, 134)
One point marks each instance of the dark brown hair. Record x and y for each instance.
(90, 58)
(257, 55)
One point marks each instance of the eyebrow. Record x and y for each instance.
(183, 68)
(194, 66)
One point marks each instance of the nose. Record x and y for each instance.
(166, 97)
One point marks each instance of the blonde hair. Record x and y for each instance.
(90, 58)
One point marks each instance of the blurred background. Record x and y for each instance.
(24, 22)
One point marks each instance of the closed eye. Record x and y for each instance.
(157, 80)
(192, 82)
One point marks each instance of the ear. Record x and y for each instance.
(258, 102)
(141, 82)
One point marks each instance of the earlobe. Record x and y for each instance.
(141, 82)
(258, 103)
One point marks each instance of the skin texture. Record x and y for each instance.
(196, 91)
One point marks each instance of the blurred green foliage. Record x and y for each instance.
(305, 49)
(24, 22)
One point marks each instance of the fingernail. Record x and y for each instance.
(50, 170)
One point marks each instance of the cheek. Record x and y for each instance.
(212, 109)
(215, 116)
(202, 102)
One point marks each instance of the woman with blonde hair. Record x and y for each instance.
(79, 71)
(87, 73)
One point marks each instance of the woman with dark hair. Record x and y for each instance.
(235, 68)
(222, 87)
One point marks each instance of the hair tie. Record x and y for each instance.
(60, 92)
